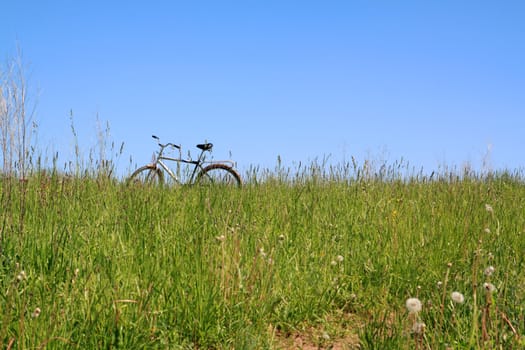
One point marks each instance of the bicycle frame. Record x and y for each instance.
(198, 164)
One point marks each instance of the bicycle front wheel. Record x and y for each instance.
(219, 174)
(147, 175)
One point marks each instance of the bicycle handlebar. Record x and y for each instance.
(165, 145)
(171, 144)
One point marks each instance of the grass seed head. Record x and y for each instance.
(21, 276)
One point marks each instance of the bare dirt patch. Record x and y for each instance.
(335, 333)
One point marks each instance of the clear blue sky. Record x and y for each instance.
(432, 82)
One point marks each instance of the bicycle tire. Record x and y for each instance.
(147, 175)
(219, 174)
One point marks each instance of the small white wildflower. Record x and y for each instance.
(333, 263)
(489, 287)
(489, 271)
(439, 284)
(36, 313)
(221, 238)
(339, 258)
(489, 208)
(413, 305)
(457, 297)
(326, 336)
(419, 328)
(487, 230)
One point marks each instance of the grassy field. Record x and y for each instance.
(307, 262)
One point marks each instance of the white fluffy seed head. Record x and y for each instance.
(489, 287)
(489, 271)
(36, 313)
(418, 328)
(413, 305)
(457, 297)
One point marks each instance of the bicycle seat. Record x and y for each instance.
(205, 146)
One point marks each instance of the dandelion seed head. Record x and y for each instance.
(457, 297)
(418, 328)
(413, 305)
(489, 271)
(489, 287)
(36, 313)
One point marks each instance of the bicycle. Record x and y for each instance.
(204, 172)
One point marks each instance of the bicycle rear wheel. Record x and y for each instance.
(219, 174)
(147, 175)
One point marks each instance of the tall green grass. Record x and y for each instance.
(88, 262)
